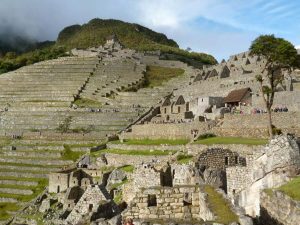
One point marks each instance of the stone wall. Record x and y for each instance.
(162, 147)
(182, 203)
(255, 125)
(167, 131)
(290, 99)
(243, 150)
(219, 158)
(237, 180)
(278, 209)
(269, 168)
(122, 160)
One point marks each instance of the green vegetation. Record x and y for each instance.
(116, 185)
(205, 136)
(68, 154)
(220, 206)
(279, 54)
(118, 197)
(42, 183)
(133, 36)
(292, 188)
(86, 103)
(133, 152)
(184, 159)
(153, 142)
(12, 61)
(7, 207)
(92, 34)
(64, 126)
(127, 168)
(156, 75)
(231, 140)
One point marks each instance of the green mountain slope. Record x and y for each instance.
(131, 35)
(93, 34)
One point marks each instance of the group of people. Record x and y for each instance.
(281, 109)
(276, 109)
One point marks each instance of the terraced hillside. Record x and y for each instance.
(54, 111)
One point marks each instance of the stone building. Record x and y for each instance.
(93, 204)
(185, 175)
(271, 167)
(112, 42)
(205, 104)
(175, 111)
(61, 181)
(219, 158)
(180, 203)
(239, 97)
(212, 166)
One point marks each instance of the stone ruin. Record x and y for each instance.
(269, 168)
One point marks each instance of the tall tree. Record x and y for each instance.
(279, 55)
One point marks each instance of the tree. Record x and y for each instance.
(279, 55)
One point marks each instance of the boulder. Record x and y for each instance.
(45, 205)
(116, 176)
(215, 177)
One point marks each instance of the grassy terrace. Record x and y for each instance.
(292, 188)
(42, 183)
(231, 140)
(219, 206)
(133, 152)
(7, 207)
(153, 142)
(128, 168)
(156, 75)
(85, 102)
(184, 159)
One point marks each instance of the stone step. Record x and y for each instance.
(8, 200)
(36, 161)
(16, 182)
(22, 174)
(15, 191)
(31, 154)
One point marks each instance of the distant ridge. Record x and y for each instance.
(94, 34)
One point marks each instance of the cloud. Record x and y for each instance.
(220, 27)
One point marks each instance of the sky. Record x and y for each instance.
(217, 27)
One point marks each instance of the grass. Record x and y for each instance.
(116, 185)
(292, 188)
(42, 183)
(133, 152)
(127, 168)
(156, 75)
(231, 140)
(68, 154)
(184, 159)
(38, 217)
(153, 142)
(219, 206)
(118, 197)
(5, 207)
(85, 103)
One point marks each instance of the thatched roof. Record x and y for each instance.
(236, 95)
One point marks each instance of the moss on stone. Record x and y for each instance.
(220, 206)
(292, 188)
